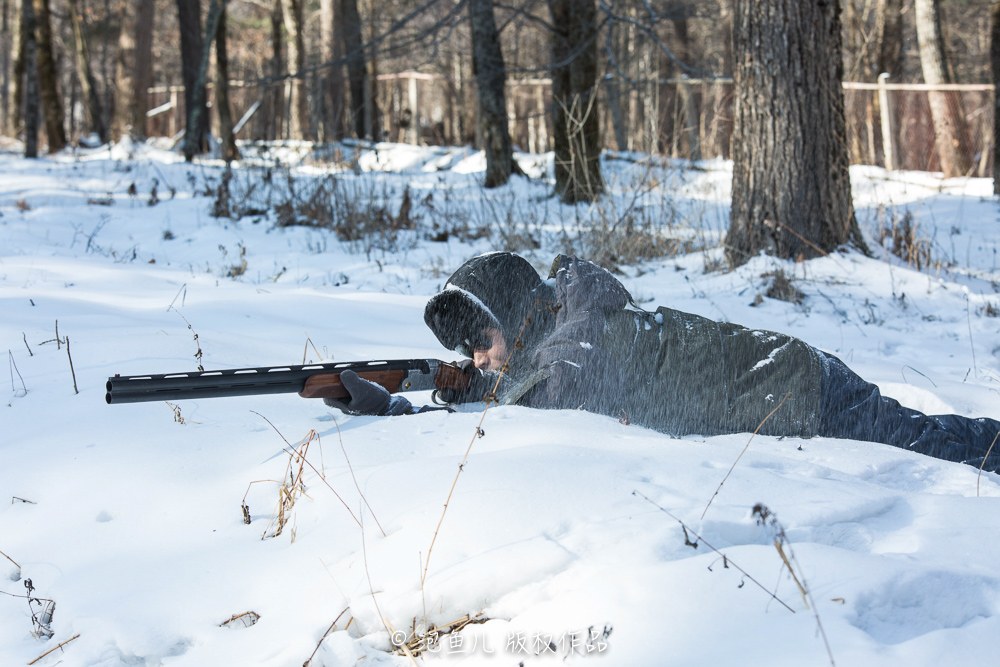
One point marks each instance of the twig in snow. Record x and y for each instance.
(58, 646)
(30, 353)
(742, 453)
(784, 547)
(325, 635)
(292, 451)
(10, 559)
(183, 290)
(371, 589)
(340, 437)
(13, 369)
(198, 353)
(984, 461)
(23, 500)
(71, 366)
(701, 539)
(917, 372)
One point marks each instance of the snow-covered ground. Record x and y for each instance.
(129, 517)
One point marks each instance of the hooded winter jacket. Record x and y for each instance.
(676, 372)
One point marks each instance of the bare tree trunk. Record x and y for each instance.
(298, 120)
(273, 97)
(48, 79)
(577, 132)
(889, 37)
(88, 84)
(791, 186)
(7, 49)
(689, 107)
(491, 79)
(32, 95)
(333, 89)
(197, 116)
(355, 56)
(134, 74)
(617, 98)
(995, 71)
(950, 130)
(226, 138)
(189, 16)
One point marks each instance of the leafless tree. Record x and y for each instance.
(950, 130)
(32, 95)
(134, 72)
(491, 78)
(88, 83)
(48, 77)
(226, 139)
(577, 133)
(189, 17)
(197, 116)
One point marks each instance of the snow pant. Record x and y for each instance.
(854, 409)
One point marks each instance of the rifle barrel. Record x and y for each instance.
(241, 381)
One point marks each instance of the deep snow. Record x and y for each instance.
(134, 526)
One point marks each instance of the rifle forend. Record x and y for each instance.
(310, 381)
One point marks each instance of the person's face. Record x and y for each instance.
(492, 358)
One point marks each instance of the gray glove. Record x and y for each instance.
(368, 398)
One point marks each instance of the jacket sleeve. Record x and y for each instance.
(573, 371)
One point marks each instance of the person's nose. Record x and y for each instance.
(480, 359)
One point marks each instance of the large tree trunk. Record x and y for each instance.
(55, 129)
(355, 56)
(134, 73)
(995, 69)
(226, 138)
(189, 17)
(32, 95)
(791, 186)
(88, 84)
(198, 111)
(7, 46)
(298, 118)
(491, 79)
(950, 130)
(577, 133)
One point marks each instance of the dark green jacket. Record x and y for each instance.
(667, 370)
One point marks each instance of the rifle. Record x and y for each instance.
(311, 381)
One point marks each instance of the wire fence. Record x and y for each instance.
(680, 118)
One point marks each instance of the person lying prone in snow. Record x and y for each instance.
(579, 341)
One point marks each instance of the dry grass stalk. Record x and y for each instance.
(765, 517)
(14, 369)
(357, 486)
(725, 559)
(325, 635)
(402, 647)
(291, 452)
(9, 558)
(177, 414)
(490, 399)
(246, 619)
(747, 446)
(988, 451)
(54, 648)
